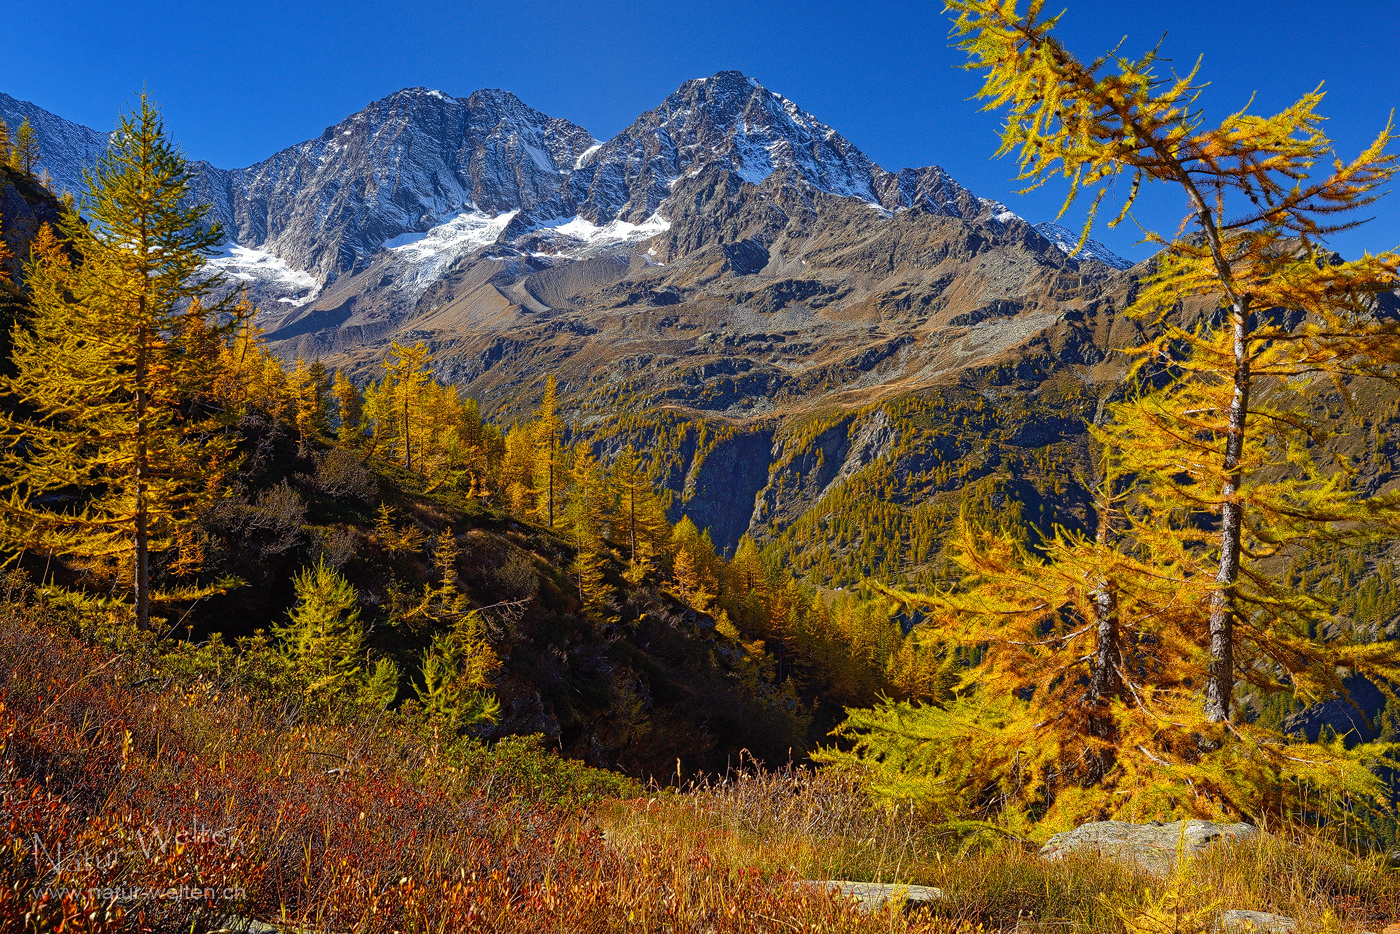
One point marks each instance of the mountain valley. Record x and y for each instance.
(458, 520)
(728, 283)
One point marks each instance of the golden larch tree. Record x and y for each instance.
(395, 403)
(24, 151)
(115, 453)
(547, 430)
(350, 410)
(1252, 244)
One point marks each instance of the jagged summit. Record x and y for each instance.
(404, 164)
(730, 120)
(1067, 240)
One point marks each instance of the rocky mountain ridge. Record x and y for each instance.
(723, 272)
(1067, 240)
(66, 148)
(420, 159)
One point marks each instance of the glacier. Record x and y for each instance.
(420, 259)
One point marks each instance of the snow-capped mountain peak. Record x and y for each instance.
(727, 119)
(1066, 240)
(421, 178)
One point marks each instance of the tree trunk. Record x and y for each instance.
(1221, 681)
(1106, 679)
(632, 511)
(407, 449)
(141, 572)
(551, 482)
(1106, 682)
(142, 575)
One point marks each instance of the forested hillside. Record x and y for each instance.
(507, 572)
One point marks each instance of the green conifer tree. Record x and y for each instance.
(323, 637)
(456, 675)
(380, 687)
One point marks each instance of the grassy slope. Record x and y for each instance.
(364, 824)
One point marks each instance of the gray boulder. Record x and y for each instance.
(1152, 847)
(1235, 921)
(236, 925)
(872, 896)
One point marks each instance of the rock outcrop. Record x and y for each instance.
(24, 207)
(872, 896)
(1235, 921)
(1151, 847)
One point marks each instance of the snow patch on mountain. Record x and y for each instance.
(611, 234)
(422, 258)
(248, 265)
(1066, 240)
(583, 156)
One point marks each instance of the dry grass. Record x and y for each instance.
(119, 785)
(817, 825)
(115, 773)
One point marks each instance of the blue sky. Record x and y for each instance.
(238, 81)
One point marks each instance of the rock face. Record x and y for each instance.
(1352, 724)
(65, 147)
(1152, 847)
(24, 207)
